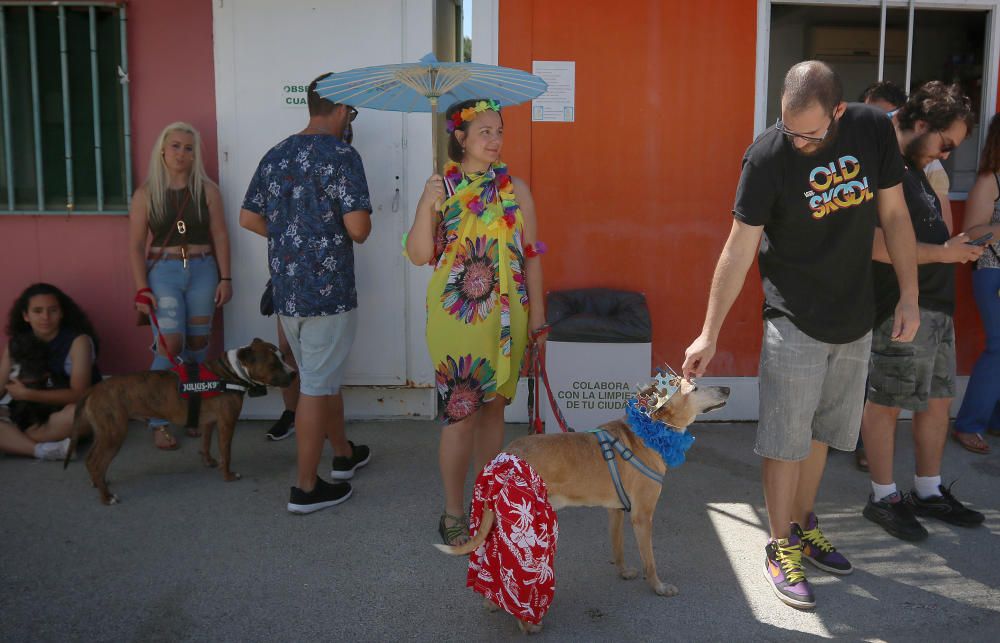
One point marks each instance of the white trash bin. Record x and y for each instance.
(592, 381)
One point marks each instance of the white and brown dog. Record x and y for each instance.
(574, 467)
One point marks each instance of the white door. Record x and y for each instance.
(266, 52)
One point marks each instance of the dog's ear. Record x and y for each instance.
(257, 340)
(19, 346)
(245, 355)
(15, 346)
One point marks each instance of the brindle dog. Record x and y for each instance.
(109, 405)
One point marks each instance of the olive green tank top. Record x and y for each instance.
(196, 229)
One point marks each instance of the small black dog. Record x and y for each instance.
(29, 365)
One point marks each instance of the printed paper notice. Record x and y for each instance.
(558, 103)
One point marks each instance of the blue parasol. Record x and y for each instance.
(429, 86)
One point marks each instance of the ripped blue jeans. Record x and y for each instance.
(182, 295)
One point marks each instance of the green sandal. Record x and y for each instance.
(458, 533)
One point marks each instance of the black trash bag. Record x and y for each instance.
(599, 315)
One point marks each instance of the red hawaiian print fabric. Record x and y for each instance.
(514, 567)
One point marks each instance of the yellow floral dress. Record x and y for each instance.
(477, 301)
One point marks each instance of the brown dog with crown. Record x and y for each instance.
(575, 469)
(109, 405)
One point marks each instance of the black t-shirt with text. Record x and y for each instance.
(819, 213)
(937, 280)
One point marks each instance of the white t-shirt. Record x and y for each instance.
(937, 177)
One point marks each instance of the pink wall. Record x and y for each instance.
(172, 74)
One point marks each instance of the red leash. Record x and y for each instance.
(536, 377)
(142, 298)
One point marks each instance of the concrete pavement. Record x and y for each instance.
(187, 557)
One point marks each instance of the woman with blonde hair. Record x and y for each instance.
(179, 252)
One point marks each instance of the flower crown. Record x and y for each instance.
(469, 113)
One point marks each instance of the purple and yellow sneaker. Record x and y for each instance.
(818, 550)
(783, 569)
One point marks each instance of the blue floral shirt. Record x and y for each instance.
(304, 186)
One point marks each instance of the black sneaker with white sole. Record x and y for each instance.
(344, 466)
(322, 496)
(283, 427)
(895, 514)
(945, 507)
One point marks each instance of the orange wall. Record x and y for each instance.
(172, 74)
(637, 193)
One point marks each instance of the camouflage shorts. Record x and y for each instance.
(906, 375)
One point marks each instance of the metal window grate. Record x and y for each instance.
(64, 105)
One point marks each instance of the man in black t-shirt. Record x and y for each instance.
(812, 187)
(919, 376)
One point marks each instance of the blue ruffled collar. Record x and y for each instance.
(670, 444)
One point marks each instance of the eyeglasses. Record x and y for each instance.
(778, 125)
(352, 113)
(946, 146)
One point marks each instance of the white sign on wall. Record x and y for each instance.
(591, 382)
(294, 94)
(558, 103)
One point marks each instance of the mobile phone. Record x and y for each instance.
(981, 241)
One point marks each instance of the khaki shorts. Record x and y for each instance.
(907, 375)
(809, 390)
(321, 346)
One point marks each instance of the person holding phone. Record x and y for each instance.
(918, 376)
(980, 411)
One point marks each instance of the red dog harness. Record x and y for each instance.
(194, 381)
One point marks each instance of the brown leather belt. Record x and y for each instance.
(179, 257)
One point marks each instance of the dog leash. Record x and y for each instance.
(609, 446)
(536, 377)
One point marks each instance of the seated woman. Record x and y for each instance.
(44, 316)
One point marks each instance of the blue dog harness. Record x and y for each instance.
(611, 445)
(671, 443)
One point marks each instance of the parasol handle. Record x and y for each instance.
(434, 134)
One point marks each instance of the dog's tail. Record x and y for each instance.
(80, 422)
(474, 543)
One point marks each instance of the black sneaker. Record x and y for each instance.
(322, 496)
(284, 427)
(945, 507)
(895, 515)
(344, 467)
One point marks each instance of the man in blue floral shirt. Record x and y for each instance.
(309, 198)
